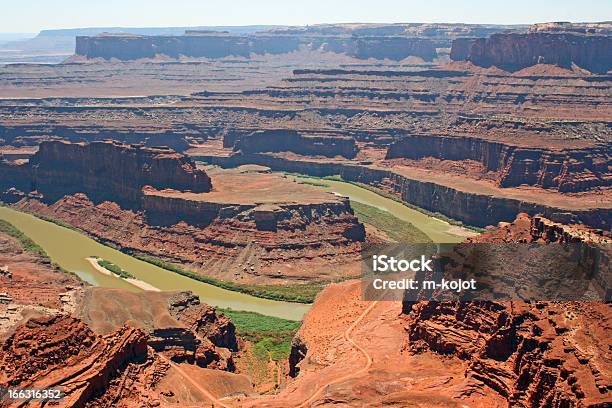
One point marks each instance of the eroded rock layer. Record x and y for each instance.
(565, 170)
(176, 325)
(292, 141)
(254, 243)
(63, 352)
(218, 45)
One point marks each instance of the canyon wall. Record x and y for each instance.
(293, 141)
(471, 208)
(218, 44)
(259, 243)
(131, 133)
(515, 51)
(566, 170)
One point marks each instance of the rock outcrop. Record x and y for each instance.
(62, 352)
(104, 171)
(176, 325)
(532, 354)
(566, 170)
(293, 141)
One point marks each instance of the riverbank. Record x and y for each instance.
(436, 229)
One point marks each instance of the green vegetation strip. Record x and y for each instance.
(27, 244)
(398, 230)
(116, 269)
(23, 239)
(271, 336)
(304, 293)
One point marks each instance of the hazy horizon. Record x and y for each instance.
(33, 16)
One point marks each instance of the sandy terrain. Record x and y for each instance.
(136, 282)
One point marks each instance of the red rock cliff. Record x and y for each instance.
(63, 352)
(110, 171)
(539, 354)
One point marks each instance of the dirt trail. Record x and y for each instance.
(215, 401)
(347, 337)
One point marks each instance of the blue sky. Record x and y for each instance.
(34, 15)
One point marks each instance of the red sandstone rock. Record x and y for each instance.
(105, 171)
(531, 354)
(542, 45)
(304, 241)
(63, 352)
(565, 170)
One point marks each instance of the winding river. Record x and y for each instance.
(70, 249)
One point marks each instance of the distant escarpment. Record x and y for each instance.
(292, 141)
(104, 171)
(568, 170)
(532, 354)
(515, 51)
(208, 44)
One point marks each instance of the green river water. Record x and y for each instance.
(69, 249)
(438, 230)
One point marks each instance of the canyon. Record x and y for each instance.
(178, 146)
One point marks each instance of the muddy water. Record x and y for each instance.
(438, 230)
(69, 249)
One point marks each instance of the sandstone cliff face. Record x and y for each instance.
(258, 243)
(460, 49)
(533, 355)
(292, 141)
(565, 170)
(515, 51)
(105, 171)
(219, 45)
